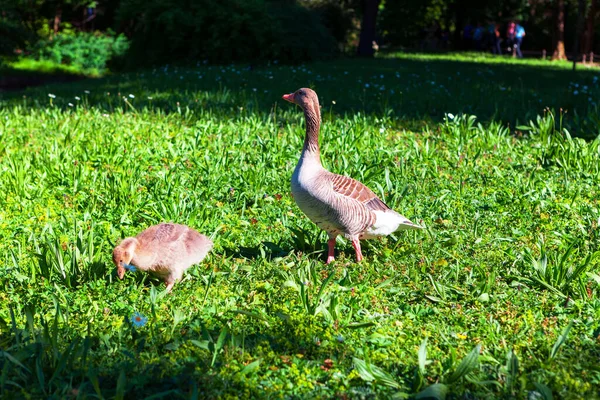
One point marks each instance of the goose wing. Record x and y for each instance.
(356, 190)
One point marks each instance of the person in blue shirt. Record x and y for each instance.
(519, 35)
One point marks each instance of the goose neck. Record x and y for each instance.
(311, 140)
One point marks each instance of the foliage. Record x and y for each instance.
(454, 310)
(14, 33)
(224, 31)
(87, 51)
(340, 18)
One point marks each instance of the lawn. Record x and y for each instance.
(498, 297)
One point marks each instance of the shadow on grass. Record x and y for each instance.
(194, 362)
(16, 79)
(412, 90)
(268, 250)
(47, 360)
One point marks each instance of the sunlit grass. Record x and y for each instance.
(487, 58)
(26, 65)
(466, 306)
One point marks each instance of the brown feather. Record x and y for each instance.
(354, 189)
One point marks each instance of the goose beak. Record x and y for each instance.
(288, 97)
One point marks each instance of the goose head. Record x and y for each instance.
(123, 254)
(304, 97)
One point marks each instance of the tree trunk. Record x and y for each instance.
(587, 44)
(559, 50)
(580, 19)
(367, 28)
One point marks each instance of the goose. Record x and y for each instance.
(165, 250)
(337, 204)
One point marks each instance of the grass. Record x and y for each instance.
(498, 297)
(25, 66)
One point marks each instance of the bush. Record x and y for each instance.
(223, 31)
(87, 51)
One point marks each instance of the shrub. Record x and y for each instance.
(223, 31)
(88, 51)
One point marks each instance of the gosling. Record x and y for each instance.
(165, 250)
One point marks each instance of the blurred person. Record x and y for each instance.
(468, 36)
(478, 36)
(510, 35)
(489, 38)
(519, 35)
(496, 40)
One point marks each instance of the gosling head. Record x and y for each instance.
(123, 254)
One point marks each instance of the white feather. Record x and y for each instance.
(387, 222)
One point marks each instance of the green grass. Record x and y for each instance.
(498, 297)
(27, 67)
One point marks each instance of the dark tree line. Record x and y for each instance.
(293, 30)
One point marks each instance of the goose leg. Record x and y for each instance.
(356, 245)
(331, 252)
(169, 286)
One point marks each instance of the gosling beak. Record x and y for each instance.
(120, 271)
(288, 97)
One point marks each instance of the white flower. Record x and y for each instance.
(450, 116)
(52, 96)
(131, 96)
(381, 130)
(86, 91)
(77, 98)
(149, 97)
(254, 89)
(70, 104)
(332, 101)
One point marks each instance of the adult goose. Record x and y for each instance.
(163, 250)
(337, 204)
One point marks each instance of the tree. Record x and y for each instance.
(367, 28)
(580, 19)
(587, 44)
(559, 48)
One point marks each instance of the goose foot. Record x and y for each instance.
(331, 252)
(356, 245)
